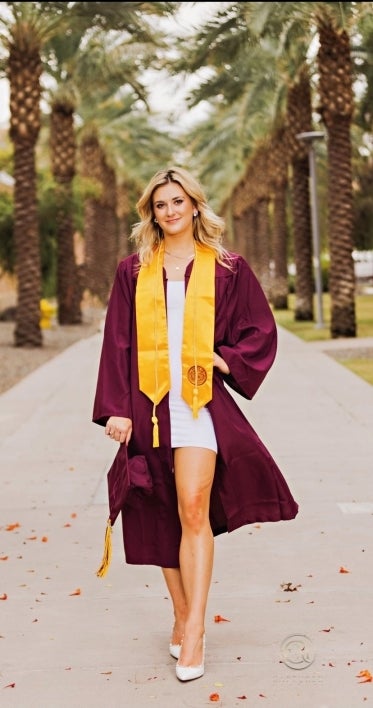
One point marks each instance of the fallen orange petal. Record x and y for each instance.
(31, 538)
(343, 570)
(44, 539)
(66, 526)
(242, 698)
(214, 697)
(219, 618)
(10, 685)
(365, 675)
(11, 527)
(4, 558)
(4, 596)
(76, 592)
(73, 515)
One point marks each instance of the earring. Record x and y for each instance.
(195, 213)
(155, 221)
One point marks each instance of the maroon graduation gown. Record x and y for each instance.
(248, 485)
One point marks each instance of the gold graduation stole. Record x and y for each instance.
(198, 332)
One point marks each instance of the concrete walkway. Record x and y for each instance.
(299, 630)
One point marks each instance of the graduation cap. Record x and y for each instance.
(125, 475)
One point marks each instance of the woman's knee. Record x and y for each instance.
(193, 514)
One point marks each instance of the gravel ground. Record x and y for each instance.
(18, 362)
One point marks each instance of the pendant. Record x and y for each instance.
(177, 267)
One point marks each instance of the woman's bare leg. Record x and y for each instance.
(194, 474)
(175, 587)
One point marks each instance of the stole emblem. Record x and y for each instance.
(197, 375)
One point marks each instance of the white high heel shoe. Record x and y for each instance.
(175, 650)
(188, 673)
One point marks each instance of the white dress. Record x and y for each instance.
(186, 431)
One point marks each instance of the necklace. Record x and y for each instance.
(182, 258)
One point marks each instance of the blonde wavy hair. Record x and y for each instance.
(208, 228)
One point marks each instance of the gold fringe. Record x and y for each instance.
(106, 558)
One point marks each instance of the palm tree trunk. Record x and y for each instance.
(24, 70)
(334, 59)
(100, 219)
(302, 241)
(124, 245)
(262, 246)
(68, 282)
(27, 246)
(63, 154)
(279, 285)
(299, 119)
(279, 156)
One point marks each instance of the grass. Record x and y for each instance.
(362, 366)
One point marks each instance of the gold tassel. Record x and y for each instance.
(106, 558)
(155, 431)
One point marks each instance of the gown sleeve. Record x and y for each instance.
(252, 341)
(112, 397)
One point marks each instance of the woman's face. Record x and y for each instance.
(173, 209)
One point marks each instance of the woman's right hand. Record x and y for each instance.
(220, 364)
(119, 429)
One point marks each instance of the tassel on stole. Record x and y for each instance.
(155, 431)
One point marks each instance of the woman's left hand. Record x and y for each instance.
(220, 364)
(119, 429)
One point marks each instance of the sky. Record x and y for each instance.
(166, 93)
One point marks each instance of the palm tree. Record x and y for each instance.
(124, 150)
(101, 228)
(278, 176)
(23, 35)
(336, 109)
(26, 32)
(257, 185)
(242, 79)
(63, 150)
(228, 45)
(92, 77)
(123, 214)
(299, 119)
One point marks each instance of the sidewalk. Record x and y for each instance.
(299, 629)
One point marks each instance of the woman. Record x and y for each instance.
(185, 317)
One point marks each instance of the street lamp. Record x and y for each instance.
(309, 138)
